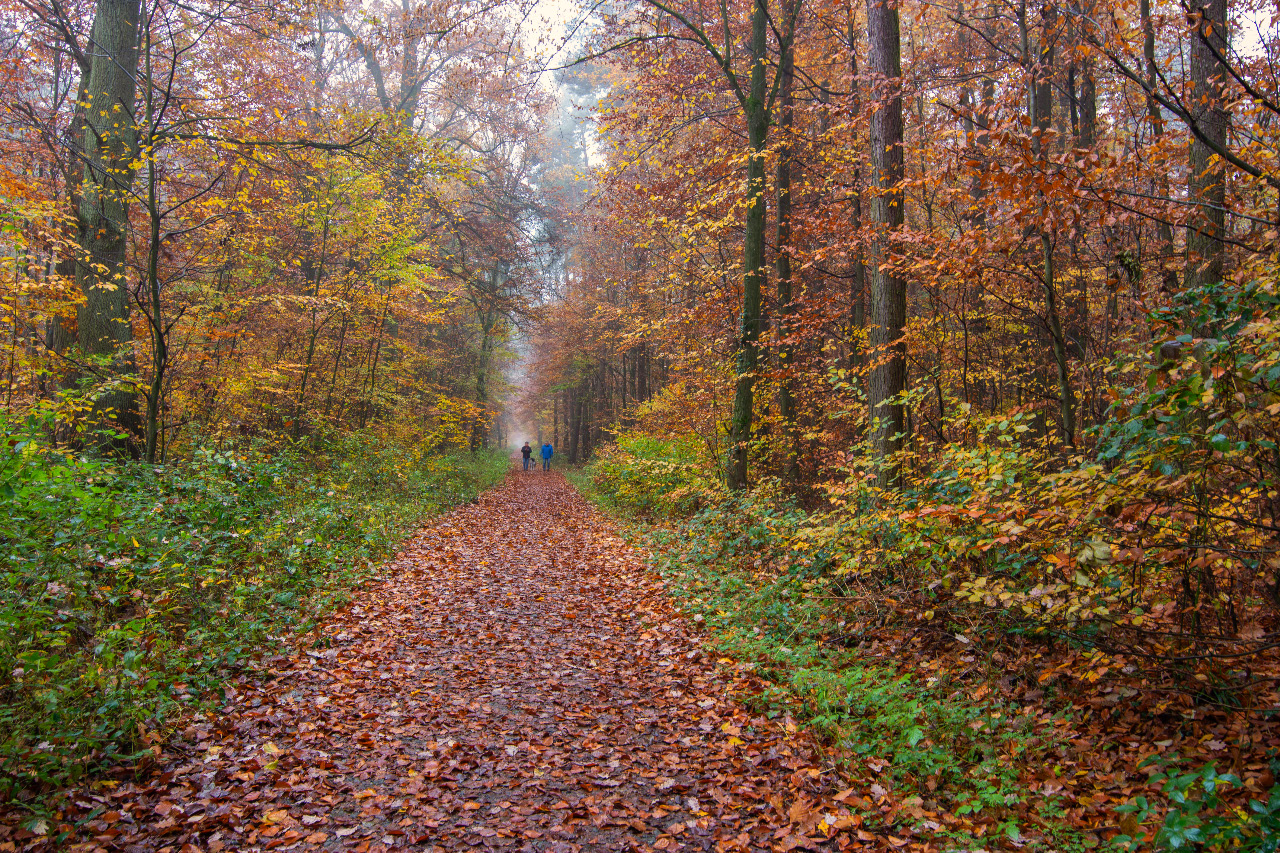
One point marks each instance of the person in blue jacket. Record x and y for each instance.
(546, 456)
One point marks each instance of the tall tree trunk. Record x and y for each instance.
(753, 278)
(155, 313)
(977, 128)
(1088, 106)
(888, 378)
(110, 151)
(337, 361)
(589, 391)
(786, 394)
(314, 273)
(1205, 232)
(1164, 231)
(574, 415)
(1082, 101)
(977, 131)
(61, 333)
(373, 407)
(642, 388)
(479, 429)
(625, 382)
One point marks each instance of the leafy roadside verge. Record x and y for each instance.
(954, 733)
(127, 591)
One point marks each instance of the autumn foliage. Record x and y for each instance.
(326, 222)
(1075, 375)
(947, 335)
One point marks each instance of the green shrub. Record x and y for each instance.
(1198, 817)
(651, 477)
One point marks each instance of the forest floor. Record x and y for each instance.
(517, 679)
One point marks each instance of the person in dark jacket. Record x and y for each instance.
(546, 456)
(527, 453)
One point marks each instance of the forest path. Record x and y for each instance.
(517, 680)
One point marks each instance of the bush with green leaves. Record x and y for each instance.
(652, 477)
(1197, 815)
(127, 590)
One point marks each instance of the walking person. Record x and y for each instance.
(546, 456)
(527, 453)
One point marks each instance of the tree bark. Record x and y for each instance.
(753, 277)
(574, 416)
(155, 316)
(110, 150)
(1164, 231)
(1040, 88)
(888, 377)
(1207, 183)
(782, 239)
(61, 333)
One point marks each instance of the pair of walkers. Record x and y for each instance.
(526, 453)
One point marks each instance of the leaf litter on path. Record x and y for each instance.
(516, 680)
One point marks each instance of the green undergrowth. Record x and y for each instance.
(128, 590)
(641, 477)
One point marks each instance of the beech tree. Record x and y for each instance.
(1208, 115)
(109, 151)
(888, 289)
(742, 61)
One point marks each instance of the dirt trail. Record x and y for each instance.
(516, 681)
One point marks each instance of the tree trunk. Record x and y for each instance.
(314, 273)
(1082, 100)
(155, 313)
(588, 399)
(61, 333)
(574, 415)
(1164, 231)
(479, 429)
(977, 131)
(337, 361)
(110, 150)
(642, 381)
(753, 278)
(888, 377)
(786, 395)
(1205, 232)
